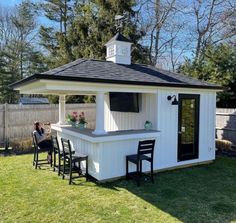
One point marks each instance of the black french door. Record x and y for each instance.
(188, 127)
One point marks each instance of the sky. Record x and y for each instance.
(9, 2)
(44, 21)
(12, 3)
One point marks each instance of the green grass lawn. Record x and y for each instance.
(200, 194)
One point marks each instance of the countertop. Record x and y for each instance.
(109, 136)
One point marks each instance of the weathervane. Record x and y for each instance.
(120, 20)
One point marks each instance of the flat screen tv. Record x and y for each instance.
(124, 102)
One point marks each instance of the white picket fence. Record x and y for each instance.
(16, 121)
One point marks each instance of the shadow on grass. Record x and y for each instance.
(12, 152)
(18, 152)
(199, 194)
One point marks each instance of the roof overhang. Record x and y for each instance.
(58, 87)
(51, 84)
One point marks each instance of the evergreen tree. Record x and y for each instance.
(18, 56)
(84, 28)
(24, 24)
(94, 25)
(54, 39)
(218, 65)
(88, 26)
(8, 75)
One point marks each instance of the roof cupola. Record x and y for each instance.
(119, 50)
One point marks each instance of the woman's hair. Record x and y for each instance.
(40, 132)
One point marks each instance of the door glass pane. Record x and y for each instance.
(188, 125)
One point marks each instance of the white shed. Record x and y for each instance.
(181, 110)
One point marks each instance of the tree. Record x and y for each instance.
(19, 57)
(209, 28)
(158, 20)
(59, 11)
(217, 66)
(178, 29)
(229, 22)
(94, 25)
(91, 25)
(8, 75)
(24, 27)
(54, 38)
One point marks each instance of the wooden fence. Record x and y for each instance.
(226, 124)
(16, 121)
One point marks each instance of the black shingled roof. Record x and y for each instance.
(119, 37)
(88, 70)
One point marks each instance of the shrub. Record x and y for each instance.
(22, 145)
(223, 144)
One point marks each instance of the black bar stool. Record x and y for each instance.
(69, 161)
(145, 152)
(57, 153)
(36, 161)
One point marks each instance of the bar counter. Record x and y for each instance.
(106, 152)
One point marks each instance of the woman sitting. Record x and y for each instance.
(43, 141)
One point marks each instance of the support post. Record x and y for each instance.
(100, 114)
(62, 109)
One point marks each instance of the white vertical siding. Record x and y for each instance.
(164, 116)
(113, 157)
(107, 159)
(207, 126)
(129, 120)
(81, 146)
(167, 123)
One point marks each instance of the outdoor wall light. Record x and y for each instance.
(174, 102)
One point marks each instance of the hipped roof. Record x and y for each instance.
(98, 71)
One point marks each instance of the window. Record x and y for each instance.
(111, 51)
